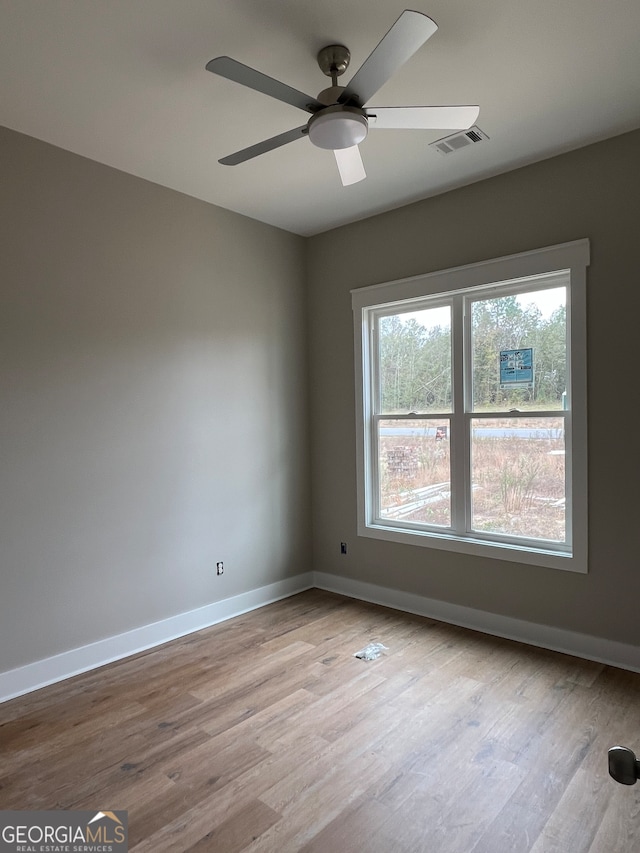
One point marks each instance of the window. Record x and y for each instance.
(471, 403)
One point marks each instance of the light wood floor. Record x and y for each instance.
(266, 734)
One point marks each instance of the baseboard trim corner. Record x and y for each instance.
(32, 676)
(573, 643)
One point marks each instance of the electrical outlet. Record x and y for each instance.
(343, 547)
(220, 568)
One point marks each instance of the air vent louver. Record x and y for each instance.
(450, 144)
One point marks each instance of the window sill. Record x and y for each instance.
(510, 552)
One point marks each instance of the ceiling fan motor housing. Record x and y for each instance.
(338, 127)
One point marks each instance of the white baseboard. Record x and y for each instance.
(33, 676)
(556, 639)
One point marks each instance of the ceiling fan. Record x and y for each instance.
(339, 120)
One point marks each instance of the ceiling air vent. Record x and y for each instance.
(450, 144)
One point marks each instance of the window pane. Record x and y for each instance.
(517, 473)
(414, 471)
(519, 351)
(415, 361)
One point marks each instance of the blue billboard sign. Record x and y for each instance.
(516, 368)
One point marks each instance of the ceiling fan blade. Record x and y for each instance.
(262, 147)
(350, 165)
(410, 31)
(423, 118)
(239, 73)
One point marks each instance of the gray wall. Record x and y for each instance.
(594, 193)
(153, 413)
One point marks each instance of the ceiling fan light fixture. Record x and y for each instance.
(338, 127)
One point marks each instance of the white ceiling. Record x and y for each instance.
(124, 83)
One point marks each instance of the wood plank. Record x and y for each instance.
(264, 733)
(238, 831)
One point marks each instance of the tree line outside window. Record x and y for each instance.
(415, 359)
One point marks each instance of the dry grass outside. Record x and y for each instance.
(415, 479)
(519, 487)
(518, 483)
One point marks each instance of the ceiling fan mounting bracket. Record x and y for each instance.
(334, 60)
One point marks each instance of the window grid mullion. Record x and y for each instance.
(459, 441)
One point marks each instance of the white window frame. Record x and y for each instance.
(489, 277)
